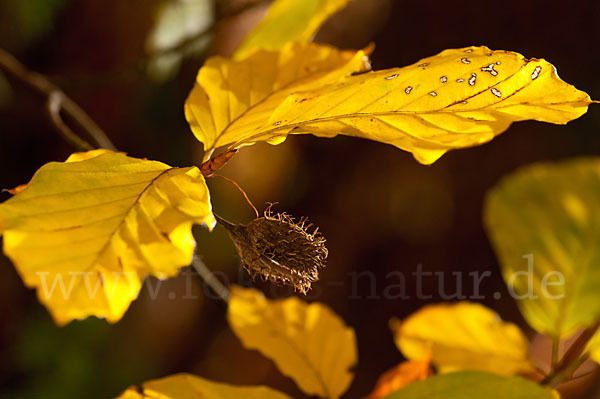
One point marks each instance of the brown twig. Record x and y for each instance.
(57, 101)
(53, 105)
(215, 164)
(574, 357)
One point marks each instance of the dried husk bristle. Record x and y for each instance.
(280, 250)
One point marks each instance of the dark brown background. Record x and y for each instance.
(380, 210)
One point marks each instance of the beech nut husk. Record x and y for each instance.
(279, 249)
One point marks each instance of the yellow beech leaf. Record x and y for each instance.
(288, 21)
(187, 386)
(594, 348)
(75, 157)
(402, 375)
(82, 156)
(307, 342)
(230, 97)
(458, 98)
(543, 221)
(474, 385)
(86, 231)
(463, 336)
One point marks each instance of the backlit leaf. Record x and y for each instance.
(86, 231)
(473, 384)
(288, 21)
(594, 348)
(187, 386)
(463, 336)
(456, 99)
(307, 342)
(232, 96)
(543, 221)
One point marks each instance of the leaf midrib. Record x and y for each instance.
(120, 225)
(264, 100)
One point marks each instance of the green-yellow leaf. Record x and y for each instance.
(473, 385)
(456, 99)
(544, 223)
(307, 342)
(86, 231)
(232, 96)
(463, 336)
(288, 21)
(178, 21)
(187, 386)
(181, 30)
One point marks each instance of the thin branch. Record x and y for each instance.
(566, 373)
(53, 105)
(210, 279)
(56, 98)
(132, 71)
(241, 190)
(572, 359)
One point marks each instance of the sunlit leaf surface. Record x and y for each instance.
(594, 348)
(456, 99)
(473, 385)
(463, 336)
(186, 386)
(230, 97)
(86, 231)
(288, 21)
(307, 342)
(544, 222)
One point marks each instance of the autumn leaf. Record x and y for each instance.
(232, 96)
(473, 384)
(187, 386)
(456, 99)
(463, 336)
(543, 222)
(83, 156)
(307, 342)
(288, 21)
(74, 157)
(86, 231)
(400, 376)
(594, 348)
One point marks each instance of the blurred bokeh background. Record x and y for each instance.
(130, 64)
